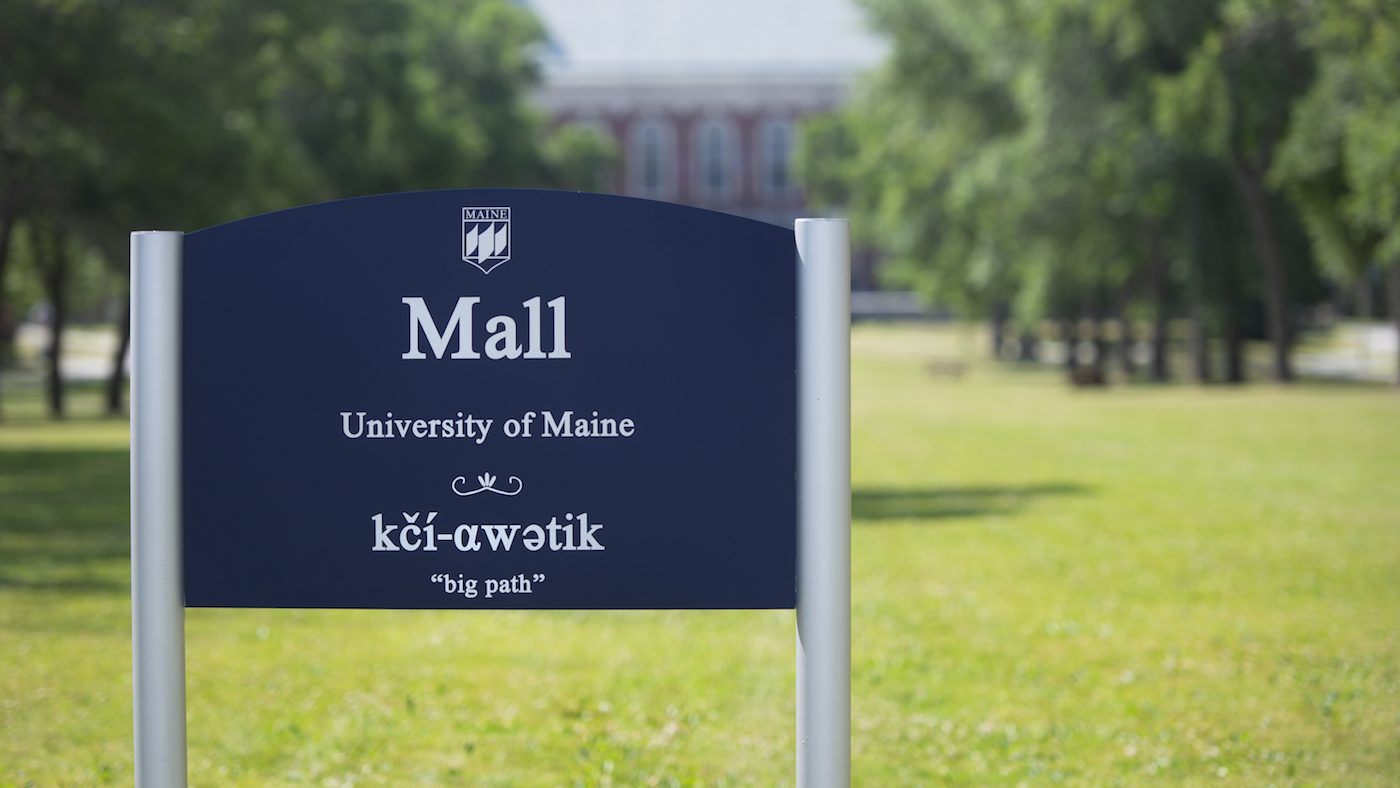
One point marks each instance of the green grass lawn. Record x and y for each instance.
(1094, 587)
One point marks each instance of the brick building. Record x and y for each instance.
(703, 97)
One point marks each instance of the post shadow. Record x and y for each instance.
(871, 505)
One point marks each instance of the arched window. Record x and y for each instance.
(651, 162)
(775, 160)
(716, 159)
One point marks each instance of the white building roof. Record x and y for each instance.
(596, 41)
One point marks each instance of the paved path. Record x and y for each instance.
(1354, 351)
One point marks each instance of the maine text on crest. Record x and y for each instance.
(486, 237)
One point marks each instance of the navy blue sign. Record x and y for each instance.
(490, 399)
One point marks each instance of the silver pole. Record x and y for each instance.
(824, 504)
(157, 595)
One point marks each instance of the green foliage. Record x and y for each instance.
(1074, 156)
(95, 285)
(1011, 151)
(916, 194)
(1153, 585)
(155, 114)
(1340, 158)
(581, 157)
(390, 96)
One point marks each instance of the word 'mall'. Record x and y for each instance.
(500, 334)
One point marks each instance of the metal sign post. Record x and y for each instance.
(824, 504)
(157, 596)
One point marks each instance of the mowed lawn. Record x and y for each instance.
(1142, 584)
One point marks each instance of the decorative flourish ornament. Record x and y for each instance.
(487, 482)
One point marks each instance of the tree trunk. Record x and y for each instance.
(1200, 321)
(1261, 224)
(1125, 334)
(1394, 280)
(117, 377)
(1364, 297)
(1157, 284)
(998, 316)
(1198, 303)
(51, 252)
(1030, 346)
(1071, 337)
(1200, 342)
(1100, 343)
(1125, 346)
(7, 227)
(1231, 318)
(1086, 373)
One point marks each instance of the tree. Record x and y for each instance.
(1079, 159)
(914, 156)
(99, 111)
(1340, 158)
(148, 113)
(1230, 103)
(1029, 176)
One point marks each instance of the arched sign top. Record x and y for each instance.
(430, 196)
(490, 399)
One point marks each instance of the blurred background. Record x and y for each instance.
(1084, 550)
(1139, 189)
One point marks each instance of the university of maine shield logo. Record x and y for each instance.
(486, 237)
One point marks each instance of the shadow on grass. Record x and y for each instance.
(64, 515)
(64, 523)
(936, 503)
(23, 402)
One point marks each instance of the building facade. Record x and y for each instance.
(703, 97)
